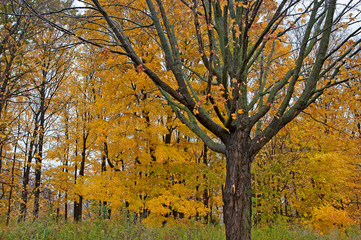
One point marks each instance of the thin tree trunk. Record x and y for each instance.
(76, 202)
(79, 205)
(38, 176)
(58, 207)
(66, 163)
(26, 174)
(206, 190)
(39, 156)
(237, 194)
(81, 173)
(11, 185)
(66, 207)
(105, 210)
(1, 156)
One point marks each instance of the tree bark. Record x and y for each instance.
(11, 184)
(39, 155)
(76, 202)
(1, 156)
(26, 174)
(206, 190)
(105, 211)
(66, 163)
(237, 194)
(39, 158)
(78, 212)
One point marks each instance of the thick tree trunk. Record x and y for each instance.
(237, 194)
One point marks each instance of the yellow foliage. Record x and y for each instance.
(326, 218)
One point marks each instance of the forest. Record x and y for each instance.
(234, 113)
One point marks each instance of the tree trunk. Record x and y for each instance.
(105, 211)
(11, 184)
(206, 190)
(26, 174)
(66, 207)
(76, 202)
(66, 163)
(39, 156)
(58, 207)
(237, 194)
(65, 169)
(78, 212)
(1, 156)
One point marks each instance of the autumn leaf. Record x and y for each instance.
(140, 68)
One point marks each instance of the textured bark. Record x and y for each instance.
(237, 194)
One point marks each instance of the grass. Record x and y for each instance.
(106, 229)
(281, 232)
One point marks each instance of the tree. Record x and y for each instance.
(15, 31)
(309, 172)
(47, 63)
(240, 90)
(155, 170)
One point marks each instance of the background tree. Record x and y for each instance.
(16, 29)
(34, 66)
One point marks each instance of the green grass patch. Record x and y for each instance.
(107, 229)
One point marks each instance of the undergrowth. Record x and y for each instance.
(107, 229)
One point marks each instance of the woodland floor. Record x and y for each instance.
(106, 229)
